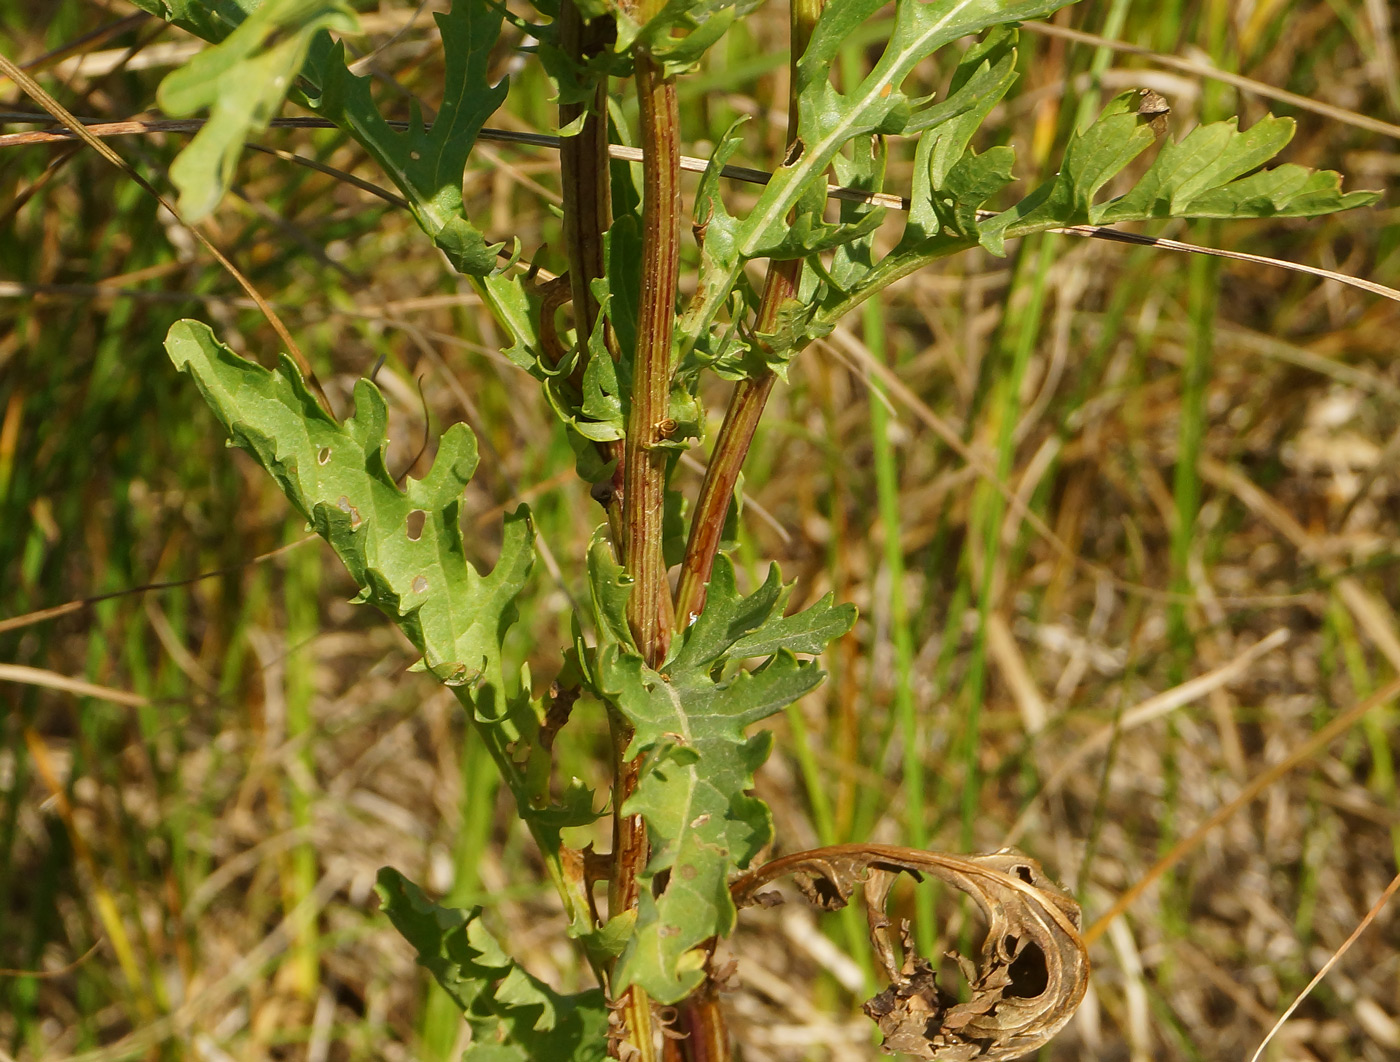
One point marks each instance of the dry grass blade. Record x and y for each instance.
(1196, 69)
(193, 1014)
(1033, 969)
(1150, 709)
(37, 93)
(1306, 751)
(35, 676)
(1336, 957)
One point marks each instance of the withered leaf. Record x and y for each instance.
(1029, 978)
(1154, 107)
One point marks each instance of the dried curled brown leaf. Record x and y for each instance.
(1032, 972)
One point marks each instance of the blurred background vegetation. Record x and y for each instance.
(1206, 452)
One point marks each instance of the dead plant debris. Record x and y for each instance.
(1031, 975)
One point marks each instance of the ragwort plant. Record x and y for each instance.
(682, 672)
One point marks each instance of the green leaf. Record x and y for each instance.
(600, 414)
(681, 32)
(518, 313)
(1201, 177)
(210, 20)
(1094, 156)
(335, 476)
(620, 292)
(828, 119)
(1288, 191)
(1197, 177)
(243, 81)
(863, 170)
(808, 631)
(689, 720)
(983, 76)
(425, 163)
(513, 1015)
(605, 943)
(715, 230)
(610, 587)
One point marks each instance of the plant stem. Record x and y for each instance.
(700, 1016)
(584, 173)
(746, 405)
(587, 191)
(649, 609)
(700, 1023)
(583, 164)
(750, 396)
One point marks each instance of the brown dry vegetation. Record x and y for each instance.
(191, 868)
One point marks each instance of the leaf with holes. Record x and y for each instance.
(403, 546)
(335, 476)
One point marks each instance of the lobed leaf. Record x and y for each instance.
(243, 81)
(689, 720)
(1204, 175)
(681, 32)
(864, 169)
(209, 20)
(1094, 155)
(248, 84)
(1207, 157)
(1288, 191)
(951, 182)
(514, 1016)
(716, 232)
(829, 119)
(335, 476)
(426, 163)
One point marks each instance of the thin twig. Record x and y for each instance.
(694, 165)
(27, 619)
(1239, 81)
(44, 99)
